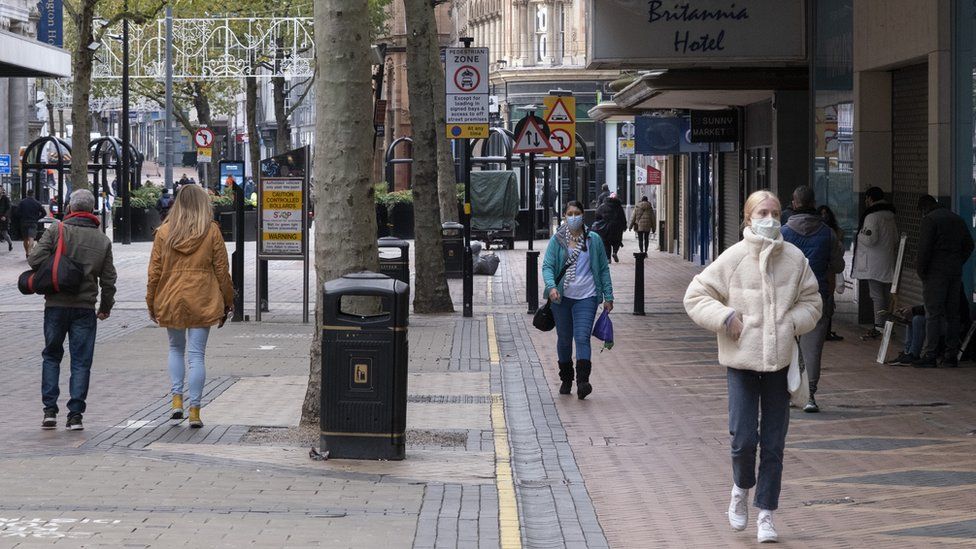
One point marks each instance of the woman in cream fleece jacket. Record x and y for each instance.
(758, 296)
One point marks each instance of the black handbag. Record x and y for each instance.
(543, 319)
(59, 274)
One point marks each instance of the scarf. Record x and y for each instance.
(84, 215)
(565, 237)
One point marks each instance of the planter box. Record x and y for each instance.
(144, 222)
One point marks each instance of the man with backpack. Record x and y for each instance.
(73, 314)
(163, 204)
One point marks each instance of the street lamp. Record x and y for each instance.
(126, 160)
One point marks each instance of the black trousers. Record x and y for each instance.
(643, 240)
(941, 296)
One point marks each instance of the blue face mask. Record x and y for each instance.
(575, 222)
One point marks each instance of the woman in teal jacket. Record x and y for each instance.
(585, 283)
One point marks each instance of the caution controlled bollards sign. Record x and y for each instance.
(466, 79)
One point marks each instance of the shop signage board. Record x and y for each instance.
(282, 228)
(653, 176)
(466, 87)
(665, 34)
(720, 126)
(50, 24)
(560, 115)
(4, 164)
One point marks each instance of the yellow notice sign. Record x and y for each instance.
(467, 131)
(282, 200)
(560, 114)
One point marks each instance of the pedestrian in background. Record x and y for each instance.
(73, 315)
(578, 254)
(944, 246)
(5, 219)
(835, 283)
(189, 290)
(603, 196)
(757, 296)
(164, 203)
(825, 253)
(642, 221)
(875, 252)
(30, 211)
(610, 223)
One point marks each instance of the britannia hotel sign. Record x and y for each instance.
(663, 33)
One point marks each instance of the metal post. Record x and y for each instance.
(639, 258)
(168, 123)
(126, 158)
(532, 256)
(468, 272)
(237, 258)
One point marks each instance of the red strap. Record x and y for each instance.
(57, 257)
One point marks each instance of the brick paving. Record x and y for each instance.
(643, 462)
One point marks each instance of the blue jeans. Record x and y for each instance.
(194, 348)
(79, 325)
(749, 393)
(574, 321)
(915, 336)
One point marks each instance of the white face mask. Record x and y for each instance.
(575, 222)
(767, 227)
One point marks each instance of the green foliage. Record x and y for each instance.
(378, 23)
(388, 199)
(460, 192)
(144, 197)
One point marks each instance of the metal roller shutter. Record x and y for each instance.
(731, 200)
(909, 165)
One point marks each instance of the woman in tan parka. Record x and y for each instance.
(642, 221)
(189, 290)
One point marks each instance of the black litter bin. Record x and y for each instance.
(452, 235)
(394, 258)
(364, 369)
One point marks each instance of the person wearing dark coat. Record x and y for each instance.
(610, 224)
(30, 212)
(944, 246)
(603, 196)
(5, 219)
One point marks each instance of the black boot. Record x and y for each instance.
(566, 375)
(583, 386)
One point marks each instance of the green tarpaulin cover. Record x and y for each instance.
(494, 200)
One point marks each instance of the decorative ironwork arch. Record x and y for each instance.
(43, 154)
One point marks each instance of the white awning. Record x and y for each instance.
(22, 56)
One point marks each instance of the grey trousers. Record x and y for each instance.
(880, 295)
(811, 345)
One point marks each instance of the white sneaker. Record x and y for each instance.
(739, 509)
(767, 532)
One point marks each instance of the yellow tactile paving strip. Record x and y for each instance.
(509, 527)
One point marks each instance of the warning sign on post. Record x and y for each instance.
(466, 79)
(560, 115)
(281, 216)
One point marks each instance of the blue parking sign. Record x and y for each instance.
(4, 164)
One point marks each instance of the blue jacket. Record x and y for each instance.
(818, 243)
(557, 253)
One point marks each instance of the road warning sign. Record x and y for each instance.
(203, 138)
(561, 116)
(531, 136)
(466, 79)
(558, 114)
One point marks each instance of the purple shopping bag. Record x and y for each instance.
(603, 329)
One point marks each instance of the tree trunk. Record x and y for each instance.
(253, 141)
(81, 69)
(431, 294)
(345, 234)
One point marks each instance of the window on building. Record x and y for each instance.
(541, 28)
(562, 31)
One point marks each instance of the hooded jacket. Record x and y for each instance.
(643, 217)
(769, 283)
(87, 245)
(876, 244)
(189, 286)
(819, 243)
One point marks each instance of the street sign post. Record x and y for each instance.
(531, 135)
(466, 88)
(203, 138)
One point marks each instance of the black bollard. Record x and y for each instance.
(639, 283)
(467, 283)
(532, 280)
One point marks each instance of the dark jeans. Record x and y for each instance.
(915, 336)
(574, 322)
(941, 297)
(643, 240)
(749, 393)
(79, 326)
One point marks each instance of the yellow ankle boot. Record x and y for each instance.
(177, 412)
(195, 417)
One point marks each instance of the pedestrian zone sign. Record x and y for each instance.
(531, 136)
(466, 99)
